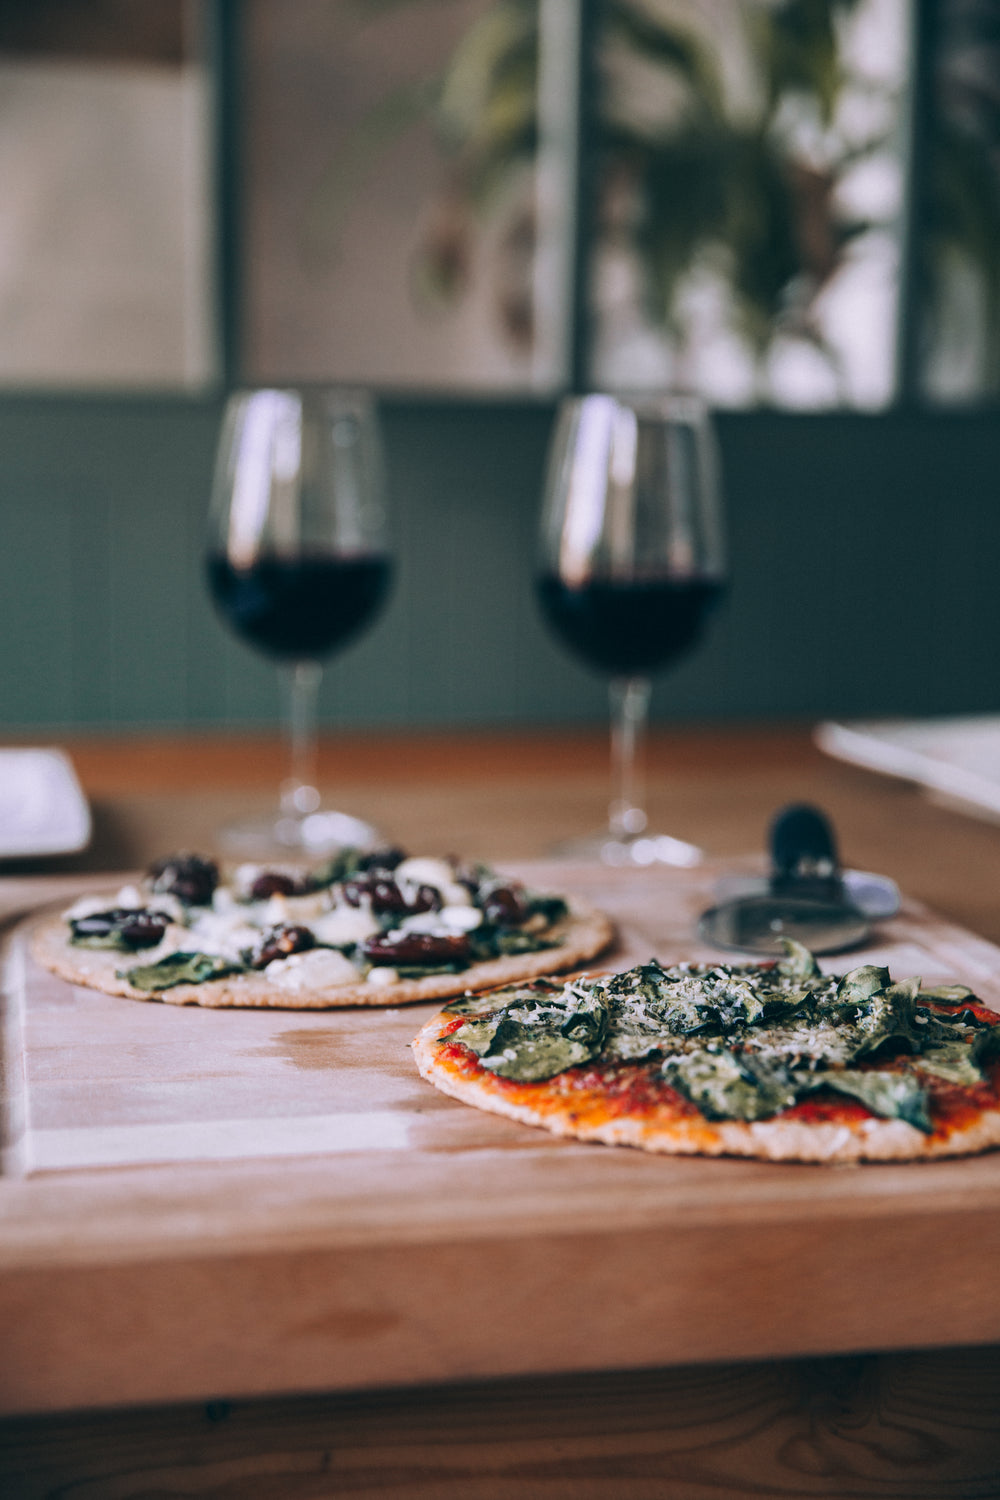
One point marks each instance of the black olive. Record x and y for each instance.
(386, 898)
(132, 927)
(504, 907)
(187, 876)
(273, 883)
(144, 929)
(279, 942)
(417, 948)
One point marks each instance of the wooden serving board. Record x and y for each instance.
(97, 1081)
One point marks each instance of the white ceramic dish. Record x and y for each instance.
(42, 807)
(957, 759)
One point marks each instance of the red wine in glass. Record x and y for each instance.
(628, 628)
(297, 564)
(631, 566)
(299, 608)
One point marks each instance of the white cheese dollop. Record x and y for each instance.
(447, 922)
(223, 900)
(318, 968)
(223, 933)
(435, 872)
(382, 975)
(344, 925)
(129, 898)
(302, 909)
(86, 906)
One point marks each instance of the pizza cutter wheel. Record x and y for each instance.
(806, 897)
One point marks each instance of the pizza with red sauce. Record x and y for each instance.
(778, 1061)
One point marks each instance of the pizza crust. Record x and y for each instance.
(683, 1135)
(580, 937)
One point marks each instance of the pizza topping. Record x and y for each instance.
(178, 968)
(381, 893)
(273, 883)
(225, 932)
(410, 918)
(380, 859)
(319, 968)
(417, 948)
(189, 877)
(505, 906)
(450, 919)
(741, 1042)
(536, 1035)
(278, 942)
(345, 926)
(382, 975)
(126, 928)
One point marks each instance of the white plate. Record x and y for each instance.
(954, 758)
(42, 807)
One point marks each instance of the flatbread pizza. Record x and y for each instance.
(777, 1061)
(365, 929)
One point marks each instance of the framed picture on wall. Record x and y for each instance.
(107, 238)
(391, 223)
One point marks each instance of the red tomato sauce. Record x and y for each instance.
(636, 1090)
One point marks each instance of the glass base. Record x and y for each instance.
(638, 851)
(310, 835)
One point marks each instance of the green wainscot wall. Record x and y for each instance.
(865, 553)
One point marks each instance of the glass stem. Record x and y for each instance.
(629, 716)
(299, 794)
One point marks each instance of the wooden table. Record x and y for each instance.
(570, 1321)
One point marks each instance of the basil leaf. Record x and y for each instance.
(723, 1087)
(487, 1001)
(951, 994)
(860, 984)
(178, 968)
(488, 941)
(955, 1062)
(887, 1016)
(893, 1096)
(798, 963)
(421, 971)
(110, 940)
(537, 1036)
(552, 908)
(467, 1005)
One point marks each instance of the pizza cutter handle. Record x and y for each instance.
(804, 860)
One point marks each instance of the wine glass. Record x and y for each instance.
(298, 565)
(632, 563)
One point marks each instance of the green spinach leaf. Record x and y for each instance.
(179, 968)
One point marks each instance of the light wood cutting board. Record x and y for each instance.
(98, 1081)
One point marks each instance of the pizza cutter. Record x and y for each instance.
(806, 896)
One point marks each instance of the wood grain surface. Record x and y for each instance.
(894, 1427)
(240, 1280)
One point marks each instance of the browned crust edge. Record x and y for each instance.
(586, 933)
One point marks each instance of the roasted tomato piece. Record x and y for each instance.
(187, 876)
(416, 948)
(280, 942)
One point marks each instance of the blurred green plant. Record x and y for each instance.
(962, 212)
(720, 146)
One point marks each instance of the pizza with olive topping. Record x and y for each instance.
(364, 929)
(777, 1061)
